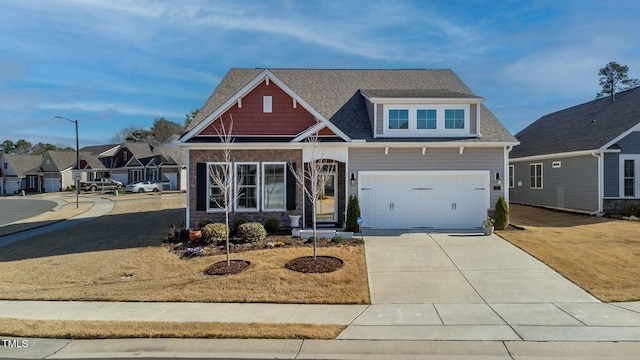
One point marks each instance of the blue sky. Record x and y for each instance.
(115, 64)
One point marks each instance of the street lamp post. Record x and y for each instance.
(77, 182)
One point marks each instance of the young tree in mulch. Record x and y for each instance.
(221, 177)
(314, 173)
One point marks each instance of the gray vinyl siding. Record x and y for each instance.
(630, 144)
(435, 159)
(573, 186)
(379, 119)
(611, 175)
(473, 119)
(370, 112)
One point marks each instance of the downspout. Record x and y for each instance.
(600, 156)
(505, 172)
(187, 156)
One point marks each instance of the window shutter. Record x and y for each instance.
(201, 186)
(291, 187)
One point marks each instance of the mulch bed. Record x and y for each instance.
(322, 264)
(186, 249)
(222, 268)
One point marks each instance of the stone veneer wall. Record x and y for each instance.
(262, 155)
(617, 206)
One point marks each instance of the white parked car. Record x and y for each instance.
(142, 186)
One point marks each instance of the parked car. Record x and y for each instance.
(142, 186)
(100, 184)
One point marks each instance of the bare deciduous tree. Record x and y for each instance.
(221, 177)
(313, 173)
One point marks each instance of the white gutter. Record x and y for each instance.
(598, 155)
(505, 173)
(352, 144)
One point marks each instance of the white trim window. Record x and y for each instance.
(274, 186)
(512, 176)
(136, 175)
(426, 120)
(398, 119)
(247, 180)
(218, 178)
(629, 176)
(267, 104)
(535, 172)
(454, 119)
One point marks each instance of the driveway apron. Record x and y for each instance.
(463, 286)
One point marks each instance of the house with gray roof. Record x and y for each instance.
(17, 173)
(417, 147)
(585, 158)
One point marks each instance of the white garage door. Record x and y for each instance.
(51, 185)
(423, 199)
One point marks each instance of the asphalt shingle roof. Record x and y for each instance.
(24, 164)
(335, 94)
(587, 126)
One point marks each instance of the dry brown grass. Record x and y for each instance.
(600, 255)
(119, 257)
(130, 329)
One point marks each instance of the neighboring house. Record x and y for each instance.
(585, 158)
(56, 170)
(14, 170)
(417, 147)
(132, 162)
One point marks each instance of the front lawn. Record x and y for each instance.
(600, 255)
(119, 257)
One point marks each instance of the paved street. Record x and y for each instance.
(14, 209)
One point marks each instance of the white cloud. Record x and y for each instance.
(123, 109)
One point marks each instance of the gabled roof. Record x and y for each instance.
(92, 160)
(62, 160)
(23, 164)
(139, 149)
(336, 95)
(588, 126)
(101, 150)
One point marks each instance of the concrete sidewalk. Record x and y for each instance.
(101, 206)
(312, 349)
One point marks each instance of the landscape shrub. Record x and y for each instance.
(501, 214)
(272, 225)
(632, 209)
(337, 239)
(203, 222)
(236, 224)
(252, 232)
(214, 233)
(353, 213)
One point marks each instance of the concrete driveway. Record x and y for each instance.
(439, 286)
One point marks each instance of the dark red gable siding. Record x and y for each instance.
(250, 120)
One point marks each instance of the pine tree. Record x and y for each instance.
(501, 214)
(353, 213)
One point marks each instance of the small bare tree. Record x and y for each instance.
(313, 173)
(221, 177)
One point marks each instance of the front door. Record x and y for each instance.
(327, 202)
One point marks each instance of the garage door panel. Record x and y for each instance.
(441, 201)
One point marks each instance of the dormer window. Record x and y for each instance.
(398, 119)
(454, 119)
(426, 120)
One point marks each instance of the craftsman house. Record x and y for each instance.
(418, 148)
(585, 158)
